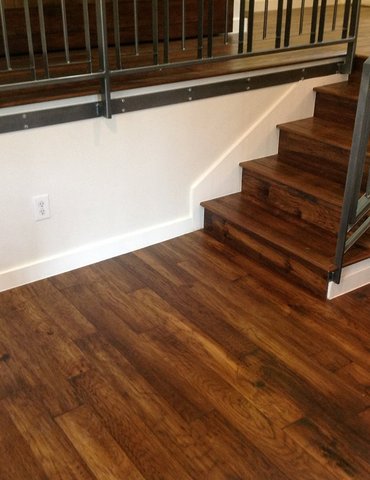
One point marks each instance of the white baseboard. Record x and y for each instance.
(93, 253)
(353, 277)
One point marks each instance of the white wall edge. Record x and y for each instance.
(353, 277)
(93, 253)
(197, 190)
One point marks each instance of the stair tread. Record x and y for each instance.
(320, 130)
(342, 90)
(294, 177)
(306, 242)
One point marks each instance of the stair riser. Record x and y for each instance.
(339, 110)
(317, 157)
(314, 156)
(272, 256)
(291, 201)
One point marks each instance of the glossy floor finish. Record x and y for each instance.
(181, 361)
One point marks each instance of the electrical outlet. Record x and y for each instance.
(41, 207)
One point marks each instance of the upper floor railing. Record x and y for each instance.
(48, 42)
(355, 220)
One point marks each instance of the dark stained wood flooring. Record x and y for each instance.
(184, 360)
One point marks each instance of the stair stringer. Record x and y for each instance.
(259, 139)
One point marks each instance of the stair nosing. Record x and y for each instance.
(288, 127)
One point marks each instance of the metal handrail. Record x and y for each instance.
(345, 27)
(354, 219)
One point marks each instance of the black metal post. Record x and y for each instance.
(103, 57)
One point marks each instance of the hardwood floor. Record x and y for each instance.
(180, 362)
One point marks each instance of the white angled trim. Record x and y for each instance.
(353, 277)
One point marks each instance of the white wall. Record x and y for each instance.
(117, 185)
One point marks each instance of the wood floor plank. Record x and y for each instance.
(16, 459)
(151, 363)
(328, 449)
(39, 369)
(205, 350)
(336, 392)
(128, 429)
(96, 446)
(12, 375)
(48, 443)
(61, 314)
(357, 376)
(184, 440)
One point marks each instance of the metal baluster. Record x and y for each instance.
(335, 15)
(301, 16)
(265, 19)
(210, 28)
(85, 8)
(353, 34)
(226, 34)
(5, 36)
(31, 52)
(101, 24)
(322, 21)
(279, 24)
(315, 8)
(241, 26)
(347, 9)
(65, 30)
(354, 17)
(288, 23)
(166, 31)
(43, 38)
(136, 28)
(155, 30)
(200, 28)
(117, 34)
(250, 26)
(183, 23)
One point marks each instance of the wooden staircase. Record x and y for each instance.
(287, 214)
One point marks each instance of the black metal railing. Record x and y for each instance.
(48, 42)
(355, 219)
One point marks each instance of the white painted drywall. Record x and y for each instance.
(118, 185)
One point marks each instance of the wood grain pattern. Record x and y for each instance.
(48, 444)
(96, 446)
(208, 374)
